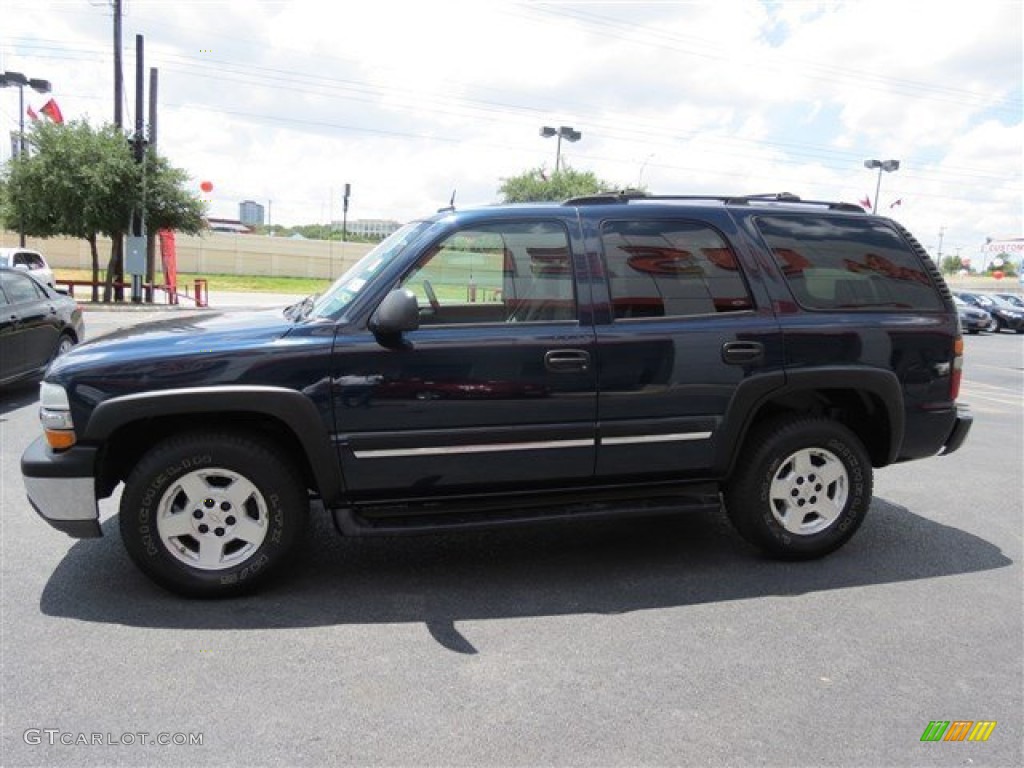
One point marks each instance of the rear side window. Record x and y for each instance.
(833, 262)
(20, 288)
(659, 268)
(29, 260)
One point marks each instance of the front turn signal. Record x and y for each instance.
(55, 416)
(59, 439)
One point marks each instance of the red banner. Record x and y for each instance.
(169, 256)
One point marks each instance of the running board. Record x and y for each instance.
(359, 521)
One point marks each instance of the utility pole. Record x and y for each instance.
(344, 212)
(151, 236)
(114, 270)
(118, 69)
(136, 251)
(942, 231)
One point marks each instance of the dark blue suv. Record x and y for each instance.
(615, 355)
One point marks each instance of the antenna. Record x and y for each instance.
(451, 204)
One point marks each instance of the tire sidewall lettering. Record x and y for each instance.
(774, 457)
(249, 458)
(145, 515)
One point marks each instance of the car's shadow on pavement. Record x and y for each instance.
(16, 396)
(439, 580)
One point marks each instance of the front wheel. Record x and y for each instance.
(801, 489)
(212, 514)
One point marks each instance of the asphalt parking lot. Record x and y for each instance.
(651, 643)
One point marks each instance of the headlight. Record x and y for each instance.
(55, 416)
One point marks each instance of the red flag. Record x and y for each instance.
(32, 113)
(898, 202)
(866, 203)
(52, 111)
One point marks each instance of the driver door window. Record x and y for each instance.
(504, 273)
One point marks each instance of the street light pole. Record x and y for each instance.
(19, 80)
(566, 132)
(882, 165)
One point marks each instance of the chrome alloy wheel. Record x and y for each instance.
(212, 519)
(809, 491)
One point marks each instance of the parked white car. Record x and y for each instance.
(30, 261)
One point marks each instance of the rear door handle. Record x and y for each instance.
(743, 352)
(567, 361)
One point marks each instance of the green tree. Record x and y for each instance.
(950, 265)
(81, 181)
(537, 186)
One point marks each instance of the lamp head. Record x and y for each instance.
(12, 78)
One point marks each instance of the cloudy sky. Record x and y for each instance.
(406, 100)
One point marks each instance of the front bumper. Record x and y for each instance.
(61, 488)
(971, 323)
(1013, 322)
(957, 435)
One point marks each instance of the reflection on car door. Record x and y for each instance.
(495, 388)
(682, 335)
(12, 360)
(34, 325)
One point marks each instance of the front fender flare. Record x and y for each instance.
(294, 409)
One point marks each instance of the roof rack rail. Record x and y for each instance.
(627, 195)
(789, 197)
(606, 198)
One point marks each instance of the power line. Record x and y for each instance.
(480, 109)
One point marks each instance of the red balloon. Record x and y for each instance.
(998, 274)
(206, 186)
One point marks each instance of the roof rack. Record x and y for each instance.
(627, 195)
(607, 198)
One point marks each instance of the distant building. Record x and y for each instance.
(375, 228)
(228, 225)
(250, 213)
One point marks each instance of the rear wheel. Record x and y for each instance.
(801, 489)
(212, 514)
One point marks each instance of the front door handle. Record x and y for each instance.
(743, 352)
(567, 361)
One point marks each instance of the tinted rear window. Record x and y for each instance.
(834, 262)
(671, 268)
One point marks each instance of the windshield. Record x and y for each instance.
(347, 287)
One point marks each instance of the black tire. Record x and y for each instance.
(810, 474)
(64, 345)
(212, 514)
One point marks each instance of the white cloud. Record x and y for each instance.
(286, 101)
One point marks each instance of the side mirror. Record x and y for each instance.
(398, 313)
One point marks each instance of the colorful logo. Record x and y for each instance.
(958, 730)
